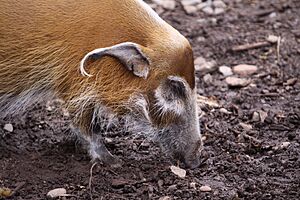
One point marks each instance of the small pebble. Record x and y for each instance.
(208, 10)
(199, 61)
(236, 82)
(118, 183)
(193, 185)
(272, 39)
(203, 101)
(160, 184)
(246, 127)
(165, 198)
(219, 11)
(291, 81)
(273, 14)
(190, 9)
(172, 188)
(244, 69)
(108, 140)
(284, 145)
(190, 2)
(201, 39)
(255, 117)
(166, 4)
(178, 171)
(213, 21)
(225, 71)
(8, 127)
(223, 110)
(208, 78)
(219, 4)
(263, 115)
(59, 192)
(204, 66)
(205, 188)
(200, 6)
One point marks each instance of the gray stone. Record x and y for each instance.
(172, 188)
(200, 6)
(255, 117)
(167, 4)
(246, 127)
(204, 66)
(8, 127)
(225, 111)
(272, 38)
(205, 188)
(284, 145)
(190, 2)
(208, 10)
(219, 11)
(244, 69)
(237, 82)
(225, 71)
(208, 79)
(190, 9)
(165, 198)
(219, 4)
(193, 185)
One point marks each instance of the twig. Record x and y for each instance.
(269, 94)
(251, 46)
(113, 172)
(143, 181)
(18, 187)
(208, 129)
(253, 139)
(263, 13)
(278, 49)
(90, 180)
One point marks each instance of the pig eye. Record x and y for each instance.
(171, 95)
(177, 88)
(174, 88)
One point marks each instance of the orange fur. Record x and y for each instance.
(43, 41)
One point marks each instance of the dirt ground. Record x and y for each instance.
(258, 162)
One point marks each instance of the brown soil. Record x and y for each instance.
(238, 164)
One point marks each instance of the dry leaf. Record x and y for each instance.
(58, 192)
(5, 192)
(204, 101)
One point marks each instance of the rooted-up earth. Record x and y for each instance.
(250, 129)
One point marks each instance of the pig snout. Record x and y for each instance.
(190, 156)
(193, 159)
(183, 145)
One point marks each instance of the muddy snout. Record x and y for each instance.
(192, 162)
(190, 156)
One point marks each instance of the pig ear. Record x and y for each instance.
(128, 53)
